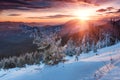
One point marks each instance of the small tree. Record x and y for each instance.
(70, 48)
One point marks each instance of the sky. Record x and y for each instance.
(56, 11)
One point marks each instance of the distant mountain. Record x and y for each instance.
(15, 43)
(92, 31)
(47, 29)
(95, 31)
(74, 26)
(6, 26)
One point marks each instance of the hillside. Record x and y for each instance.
(102, 66)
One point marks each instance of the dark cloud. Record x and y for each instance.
(41, 4)
(12, 4)
(17, 7)
(110, 8)
(14, 14)
(106, 9)
(53, 16)
(59, 16)
(118, 11)
(14, 1)
(101, 10)
(62, 0)
(86, 1)
(23, 4)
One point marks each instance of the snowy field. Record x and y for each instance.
(103, 66)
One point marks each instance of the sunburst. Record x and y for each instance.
(83, 14)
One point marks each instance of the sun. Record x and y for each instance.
(83, 14)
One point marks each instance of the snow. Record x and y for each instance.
(113, 74)
(89, 67)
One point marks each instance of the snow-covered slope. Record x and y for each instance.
(90, 66)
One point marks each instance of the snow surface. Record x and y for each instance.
(103, 66)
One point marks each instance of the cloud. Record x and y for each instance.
(86, 1)
(118, 11)
(12, 4)
(23, 4)
(110, 8)
(105, 9)
(43, 4)
(58, 16)
(14, 1)
(53, 16)
(101, 10)
(14, 14)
